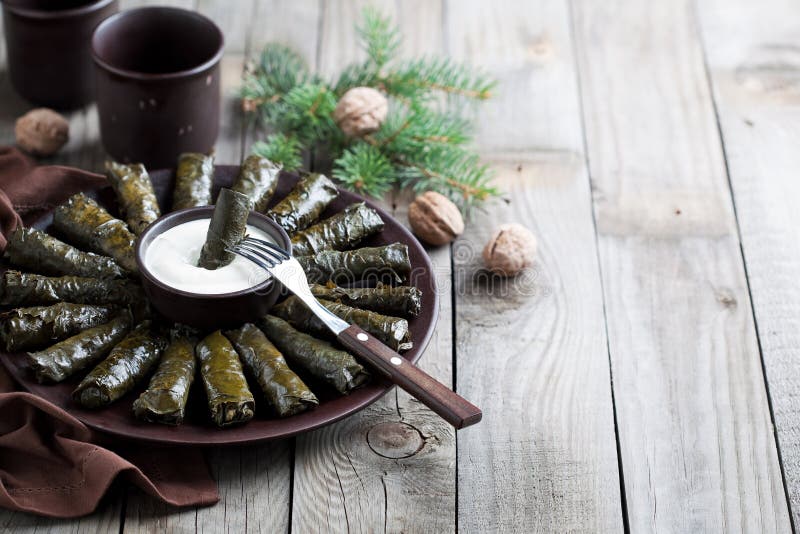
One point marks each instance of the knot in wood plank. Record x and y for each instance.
(395, 440)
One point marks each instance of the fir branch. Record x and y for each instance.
(381, 41)
(365, 169)
(419, 77)
(417, 146)
(357, 75)
(306, 111)
(276, 72)
(448, 169)
(285, 150)
(379, 37)
(415, 129)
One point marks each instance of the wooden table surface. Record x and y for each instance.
(643, 375)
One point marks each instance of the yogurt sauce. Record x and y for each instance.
(172, 259)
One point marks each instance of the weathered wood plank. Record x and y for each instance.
(253, 482)
(294, 23)
(142, 512)
(753, 57)
(391, 467)
(107, 517)
(696, 440)
(254, 488)
(236, 25)
(531, 351)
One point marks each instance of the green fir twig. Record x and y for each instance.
(422, 144)
(285, 150)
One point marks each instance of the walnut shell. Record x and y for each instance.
(42, 132)
(361, 111)
(435, 219)
(511, 248)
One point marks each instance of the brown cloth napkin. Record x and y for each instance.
(28, 191)
(50, 463)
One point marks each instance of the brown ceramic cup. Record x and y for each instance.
(208, 312)
(158, 84)
(49, 62)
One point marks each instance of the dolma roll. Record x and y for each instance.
(304, 203)
(257, 180)
(127, 364)
(85, 223)
(228, 227)
(319, 358)
(41, 326)
(74, 354)
(164, 400)
(341, 231)
(29, 248)
(391, 331)
(386, 299)
(357, 265)
(18, 289)
(193, 180)
(137, 199)
(284, 390)
(229, 399)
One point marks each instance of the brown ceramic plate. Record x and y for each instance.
(197, 430)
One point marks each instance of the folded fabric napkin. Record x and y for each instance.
(50, 463)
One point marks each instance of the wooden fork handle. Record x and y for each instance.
(451, 406)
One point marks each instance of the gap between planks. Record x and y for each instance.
(532, 351)
(751, 63)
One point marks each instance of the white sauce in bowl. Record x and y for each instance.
(172, 259)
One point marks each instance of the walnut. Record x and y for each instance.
(360, 111)
(42, 132)
(435, 219)
(511, 248)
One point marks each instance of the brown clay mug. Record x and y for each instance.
(158, 84)
(49, 62)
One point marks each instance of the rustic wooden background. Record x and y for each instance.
(644, 375)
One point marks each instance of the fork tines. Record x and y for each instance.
(260, 252)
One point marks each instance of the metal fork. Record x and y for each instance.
(287, 270)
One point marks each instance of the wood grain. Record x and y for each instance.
(105, 519)
(253, 482)
(236, 26)
(753, 59)
(697, 447)
(294, 23)
(256, 482)
(392, 466)
(107, 516)
(531, 351)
